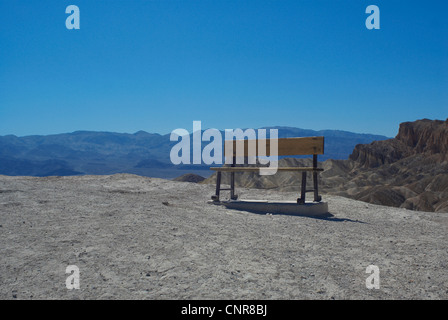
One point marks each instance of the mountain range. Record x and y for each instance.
(408, 171)
(142, 153)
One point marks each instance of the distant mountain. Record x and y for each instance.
(408, 171)
(338, 144)
(142, 153)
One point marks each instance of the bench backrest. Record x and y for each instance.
(286, 146)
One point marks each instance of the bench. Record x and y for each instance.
(286, 147)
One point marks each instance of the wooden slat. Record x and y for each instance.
(286, 146)
(256, 169)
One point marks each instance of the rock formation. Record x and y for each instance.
(427, 137)
(409, 171)
(190, 177)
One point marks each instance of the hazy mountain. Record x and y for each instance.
(338, 144)
(143, 153)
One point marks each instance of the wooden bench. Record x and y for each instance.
(286, 147)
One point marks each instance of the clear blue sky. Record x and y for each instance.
(159, 65)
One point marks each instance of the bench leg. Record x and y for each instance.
(317, 197)
(233, 196)
(218, 186)
(301, 200)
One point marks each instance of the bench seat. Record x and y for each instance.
(256, 169)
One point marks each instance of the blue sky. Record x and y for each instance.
(160, 65)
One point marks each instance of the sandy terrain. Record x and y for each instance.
(144, 238)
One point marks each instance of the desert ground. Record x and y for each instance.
(135, 237)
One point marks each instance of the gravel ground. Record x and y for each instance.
(135, 237)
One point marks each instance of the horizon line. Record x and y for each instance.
(202, 130)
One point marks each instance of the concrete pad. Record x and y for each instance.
(310, 208)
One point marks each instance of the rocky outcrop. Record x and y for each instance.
(379, 152)
(425, 136)
(190, 177)
(409, 171)
(429, 137)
